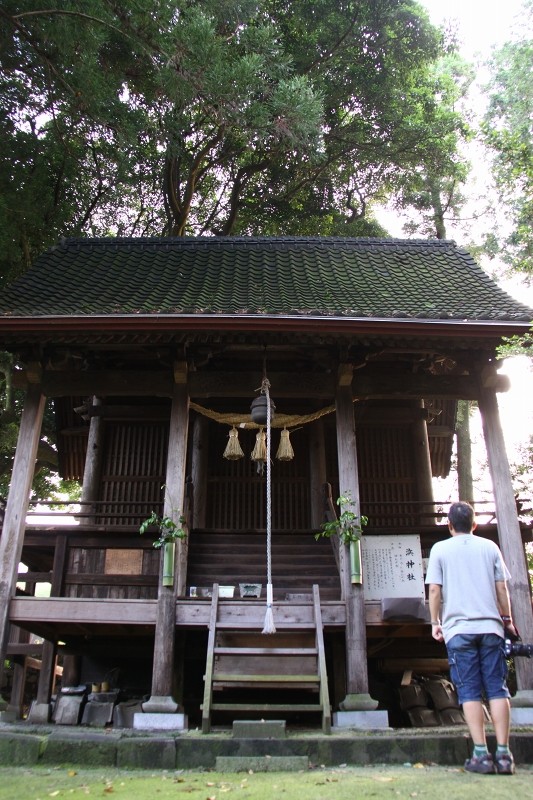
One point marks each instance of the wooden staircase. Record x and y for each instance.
(241, 660)
(298, 562)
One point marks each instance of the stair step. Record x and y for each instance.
(234, 677)
(266, 707)
(266, 651)
(251, 625)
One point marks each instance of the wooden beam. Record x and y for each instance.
(400, 384)
(199, 472)
(345, 375)
(20, 649)
(164, 646)
(189, 613)
(509, 533)
(356, 657)
(93, 461)
(158, 383)
(14, 525)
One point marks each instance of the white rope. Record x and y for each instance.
(269, 626)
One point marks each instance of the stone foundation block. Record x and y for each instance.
(17, 749)
(259, 729)
(160, 722)
(365, 720)
(138, 753)
(521, 716)
(261, 763)
(89, 749)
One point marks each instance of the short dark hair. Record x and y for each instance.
(461, 517)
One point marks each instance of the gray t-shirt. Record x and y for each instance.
(467, 567)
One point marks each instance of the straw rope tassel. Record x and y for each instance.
(259, 453)
(269, 626)
(285, 451)
(233, 449)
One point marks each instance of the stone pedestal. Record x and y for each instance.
(160, 722)
(160, 704)
(521, 716)
(523, 699)
(40, 713)
(358, 702)
(522, 707)
(362, 720)
(9, 716)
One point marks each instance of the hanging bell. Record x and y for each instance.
(285, 451)
(259, 409)
(233, 449)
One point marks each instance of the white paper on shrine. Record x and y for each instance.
(392, 567)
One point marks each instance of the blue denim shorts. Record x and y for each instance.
(477, 666)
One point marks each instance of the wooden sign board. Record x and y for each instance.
(123, 562)
(392, 567)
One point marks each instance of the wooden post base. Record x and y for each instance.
(358, 702)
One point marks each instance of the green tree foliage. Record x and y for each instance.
(213, 117)
(227, 117)
(46, 482)
(508, 132)
(434, 189)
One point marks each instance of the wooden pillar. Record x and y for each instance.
(16, 702)
(41, 709)
(357, 696)
(199, 471)
(12, 538)
(71, 669)
(464, 452)
(317, 473)
(161, 700)
(508, 533)
(93, 464)
(422, 456)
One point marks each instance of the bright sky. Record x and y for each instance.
(481, 23)
(481, 26)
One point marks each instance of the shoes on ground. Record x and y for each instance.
(504, 763)
(483, 765)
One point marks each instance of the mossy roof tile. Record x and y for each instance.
(380, 278)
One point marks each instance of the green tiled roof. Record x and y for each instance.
(333, 277)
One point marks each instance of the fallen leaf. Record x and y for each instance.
(71, 773)
(53, 794)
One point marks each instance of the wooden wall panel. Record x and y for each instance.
(387, 478)
(133, 470)
(387, 475)
(236, 491)
(72, 432)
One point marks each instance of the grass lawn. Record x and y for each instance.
(355, 783)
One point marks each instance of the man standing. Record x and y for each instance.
(468, 576)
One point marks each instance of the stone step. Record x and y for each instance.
(261, 763)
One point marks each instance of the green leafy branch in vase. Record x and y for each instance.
(169, 530)
(348, 526)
